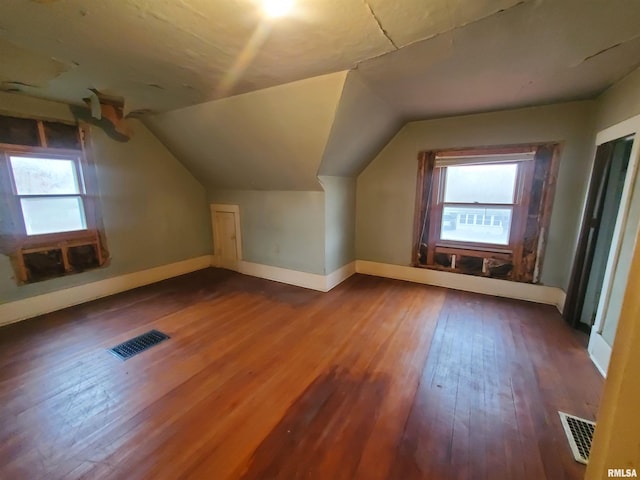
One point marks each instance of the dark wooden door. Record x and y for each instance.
(594, 238)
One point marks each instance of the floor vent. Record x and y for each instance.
(579, 433)
(138, 344)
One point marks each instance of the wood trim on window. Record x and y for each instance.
(426, 162)
(24, 149)
(549, 192)
(93, 191)
(75, 251)
(531, 212)
(520, 224)
(479, 151)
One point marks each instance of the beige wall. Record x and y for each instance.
(280, 228)
(271, 139)
(619, 102)
(154, 211)
(386, 188)
(340, 221)
(311, 232)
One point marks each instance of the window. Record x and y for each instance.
(50, 193)
(478, 203)
(482, 211)
(50, 222)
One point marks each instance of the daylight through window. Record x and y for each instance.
(478, 203)
(50, 216)
(482, 210)
(50, 192)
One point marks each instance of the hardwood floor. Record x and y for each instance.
(377, 379)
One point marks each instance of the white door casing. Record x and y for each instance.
(599, 348)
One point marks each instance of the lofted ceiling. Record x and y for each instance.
(270, 139)
(256, 104)
(537, 52)
(166, 54)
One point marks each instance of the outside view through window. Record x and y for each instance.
(49, 191)
(478, 203)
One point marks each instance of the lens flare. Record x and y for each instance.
(277, 8)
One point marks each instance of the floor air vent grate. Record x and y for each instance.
(138, 344)
(579, 433)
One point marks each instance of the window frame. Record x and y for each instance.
(15, 242)
(519, 206)
(77, 157)
(534, 192)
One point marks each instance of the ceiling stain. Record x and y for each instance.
(140, 113)
(82, 114)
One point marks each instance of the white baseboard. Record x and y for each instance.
(600, 353)
(340, 275)
(49, 302)
(469, 283)
(313, 281)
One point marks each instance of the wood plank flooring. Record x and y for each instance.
(377, 379)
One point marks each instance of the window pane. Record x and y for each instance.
(476, 224)
(44, 176)
(51, 215)
(491, 183)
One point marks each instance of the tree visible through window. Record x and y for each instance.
(484, 211)
(50, 193)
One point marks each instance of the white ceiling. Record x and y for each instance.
(536, 52)
(165, 54)
(408, 59)
(460, 56)
(271, 139)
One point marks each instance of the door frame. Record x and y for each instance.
(599, 349)
(589, 231)
(224, 208)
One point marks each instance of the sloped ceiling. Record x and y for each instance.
(364, 123)
(534, 53)
(271, 139)
(166, 54)
(212, 67)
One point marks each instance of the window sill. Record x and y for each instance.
(474, 250)
(492, 263)
(72, 238)
(499, 275)
(56, 255)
